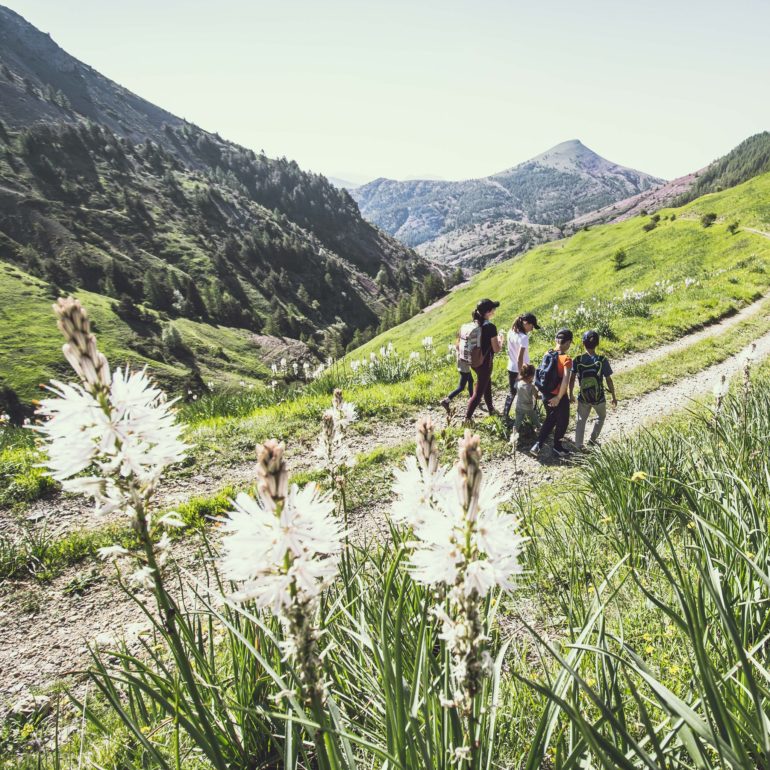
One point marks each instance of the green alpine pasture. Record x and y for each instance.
(30, 346)
(729, 270)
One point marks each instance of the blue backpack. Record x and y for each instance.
(547, 374)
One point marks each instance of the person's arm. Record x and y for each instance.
(572, 388)
(496, 343)
(563, 387)
(611, 389)
(522, 352)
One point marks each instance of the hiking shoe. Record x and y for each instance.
(445, 403)
(535, 449)
(560, 451)
(593, 443)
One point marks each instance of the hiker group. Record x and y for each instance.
(553, 382)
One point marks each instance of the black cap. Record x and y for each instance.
(530, 319)
(485, 305)
(591, 338)
(564, 335)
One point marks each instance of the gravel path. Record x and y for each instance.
(711, 330)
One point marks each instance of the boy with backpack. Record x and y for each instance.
(591, 371)
(552, 379)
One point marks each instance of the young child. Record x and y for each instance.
(526, 399)
(591, 371)
(559, 365)
(518, 355)
(466, 377)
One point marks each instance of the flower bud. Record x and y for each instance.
(469, 472)
(272, 476)
(427, 449)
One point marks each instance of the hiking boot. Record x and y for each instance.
(593, 443)
(535, 449)
(445, 403)
(560, 451)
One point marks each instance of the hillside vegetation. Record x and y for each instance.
(104, 192)
(675, 274)
(750, 158)
(180, 353)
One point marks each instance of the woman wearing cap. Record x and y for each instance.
(490, 344)
(518, 355)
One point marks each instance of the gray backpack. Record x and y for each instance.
(470, 344)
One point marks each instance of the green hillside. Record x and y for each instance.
(749, 159)
(32, 349)
(707, 272)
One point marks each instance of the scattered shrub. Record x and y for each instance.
(708, 219)
(619, 259)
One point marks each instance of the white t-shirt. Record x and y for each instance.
(517, 341)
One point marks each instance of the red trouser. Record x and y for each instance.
(483, 388)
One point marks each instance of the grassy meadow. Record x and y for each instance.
(728, 270)
(636, 634)
(31, 355)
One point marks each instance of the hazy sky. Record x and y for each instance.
(441, 88)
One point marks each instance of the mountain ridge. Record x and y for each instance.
(563, 182)
(102, 190)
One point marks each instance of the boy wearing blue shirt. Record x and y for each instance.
(591, 370)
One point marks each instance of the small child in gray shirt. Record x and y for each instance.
(526, 399)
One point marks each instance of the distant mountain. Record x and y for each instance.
(749, 159)
(548, 190)
(102, 190)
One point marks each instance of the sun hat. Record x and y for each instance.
(564, 335)
(591, 338)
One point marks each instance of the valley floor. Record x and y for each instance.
(49, 625)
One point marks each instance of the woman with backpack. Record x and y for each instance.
(518, 355)
(552, 380)
(483, 342)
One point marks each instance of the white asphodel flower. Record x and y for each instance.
(143, 577)
(257, 542)
(463, 546)
(721, 387)
(417, 493)
(345, 413)
(129, 432)
(112, 552)
(333, 449)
